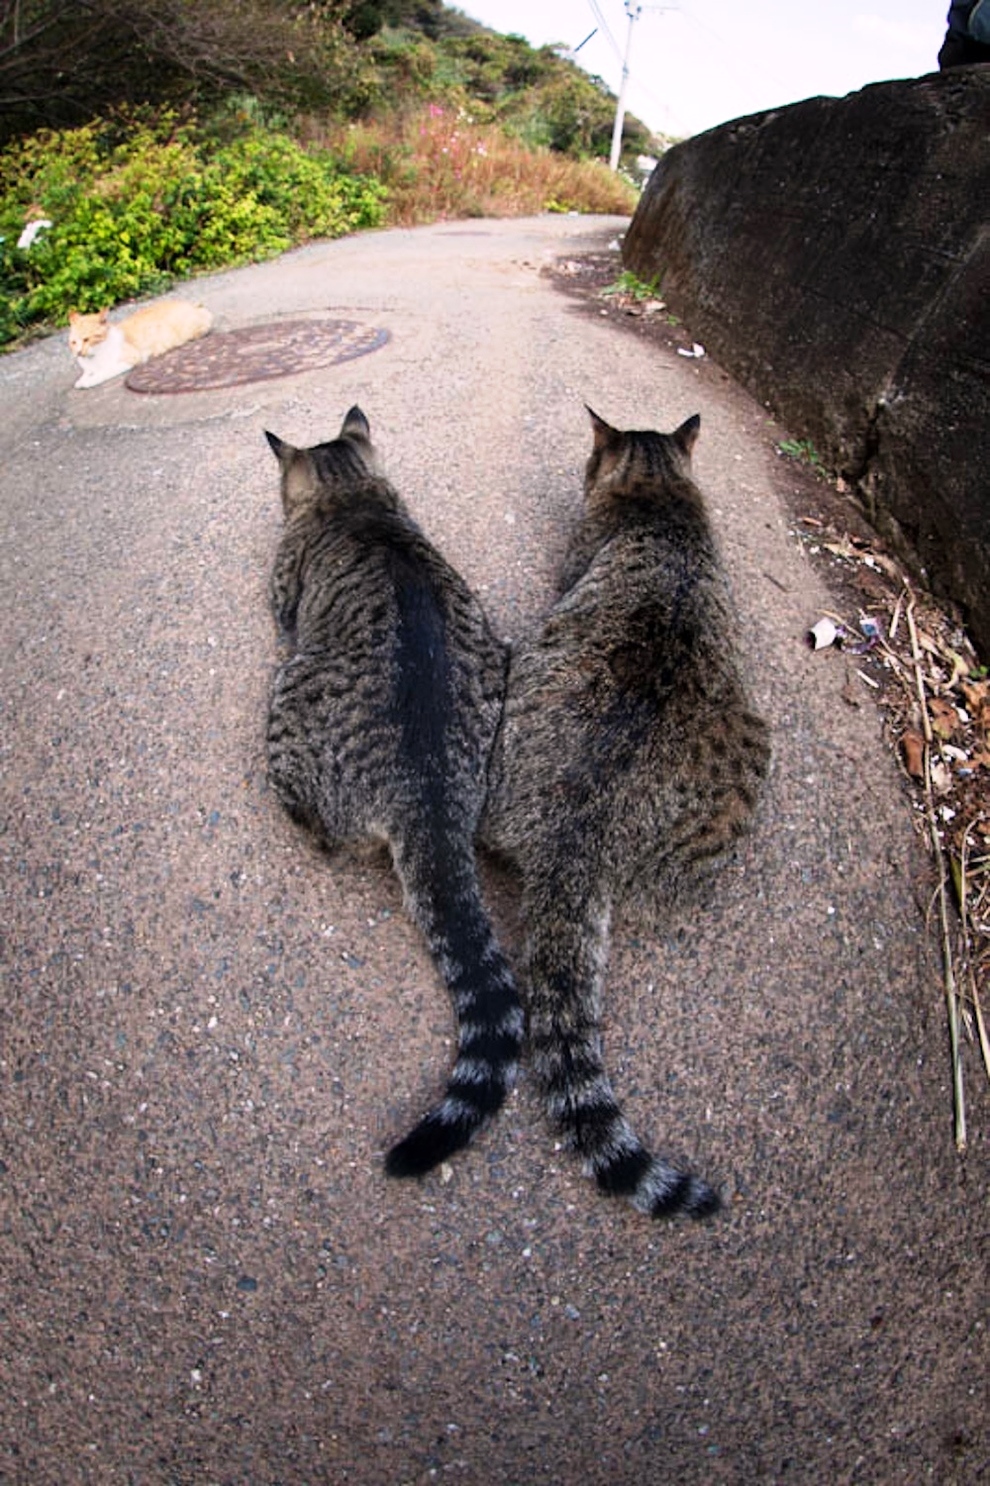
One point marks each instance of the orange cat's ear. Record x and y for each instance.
(104, 316)
(687, 435)
(603, 432)
(74, 315)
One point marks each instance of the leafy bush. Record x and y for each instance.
(138, 202)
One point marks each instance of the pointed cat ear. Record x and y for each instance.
(604, 433)
(687, 435)
(355, 425)
(283, 452)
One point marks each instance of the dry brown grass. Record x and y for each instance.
(436, 164)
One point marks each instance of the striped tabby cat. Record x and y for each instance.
(381, 727)
(629, 761)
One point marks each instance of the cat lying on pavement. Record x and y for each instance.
(104, 350)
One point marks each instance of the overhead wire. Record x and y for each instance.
(768, 76)
(596, 11)
(724, 51)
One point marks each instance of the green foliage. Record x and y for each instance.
(804, 451)
(636, 288)
(136, 203)
(565, 113)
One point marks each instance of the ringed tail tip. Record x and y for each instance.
(433, 1140)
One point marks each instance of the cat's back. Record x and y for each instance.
(361, 566)
(647, 599)
(161, 327)
(371, 552)
(391, 630)
(630, 704)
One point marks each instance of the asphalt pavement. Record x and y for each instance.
(209, 1032)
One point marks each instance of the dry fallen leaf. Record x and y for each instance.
(913, 745)
(945, 718)
(977, 696)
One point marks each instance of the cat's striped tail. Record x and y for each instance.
(566, 961)
(446, 903)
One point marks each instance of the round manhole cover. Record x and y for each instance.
(255, 354)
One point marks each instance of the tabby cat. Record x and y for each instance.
(629, 761)
(103, 350)
(381, 728)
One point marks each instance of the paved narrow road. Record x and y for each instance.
(209, 1033)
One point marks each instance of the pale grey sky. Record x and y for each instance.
(696, 63)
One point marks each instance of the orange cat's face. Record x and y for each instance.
(86, 332)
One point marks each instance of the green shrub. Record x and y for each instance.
(137, 202)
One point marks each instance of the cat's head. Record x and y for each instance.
(345, 462)
(86, 332)
(637, 463)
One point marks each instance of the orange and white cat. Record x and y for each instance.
(104, 350)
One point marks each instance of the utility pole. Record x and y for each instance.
(633, 11)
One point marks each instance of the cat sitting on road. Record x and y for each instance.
(104, 350)
(380, 728)
(628, 764)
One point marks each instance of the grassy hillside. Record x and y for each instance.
(64, 62)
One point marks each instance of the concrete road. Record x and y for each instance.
(209, 1033)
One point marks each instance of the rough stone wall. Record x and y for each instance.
(835, 257)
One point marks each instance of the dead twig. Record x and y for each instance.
(950, 980)
(970, 929)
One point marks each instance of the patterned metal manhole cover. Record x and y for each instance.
(255, 354)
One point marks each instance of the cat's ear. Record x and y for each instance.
(283, 452)
(604, 433)
(355, 425)
(74, 315)
(686, 436)
(298, 480)
(104, 315)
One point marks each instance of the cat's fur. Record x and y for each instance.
(381, 727)
(104, 350)
(629, 761)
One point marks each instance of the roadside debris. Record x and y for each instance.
(823, 634)
(829, 631)
(935, 695)
(32, 228)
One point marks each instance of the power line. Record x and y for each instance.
(596, 11)
(767, 75)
